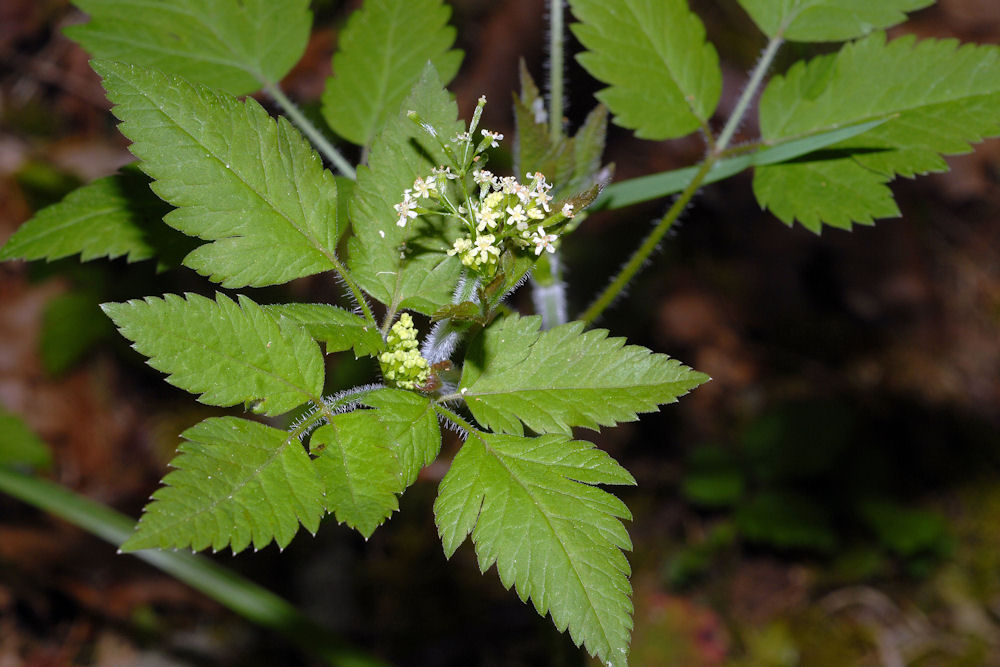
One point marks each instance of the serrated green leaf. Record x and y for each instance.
(335, 327)
(112, 217)
(571, 164)
(251, 185)
(534, 150)
(828, 20)
(939, 96)
(232, 45)
(664, 78)
(237, 483)
(359, 471)
(565, 377)
(411, 428)
(19, 446)
(366, 458)
(531, 510)
(387, 260)
(228, 353)
(588, 148)
(380, 55)
(815, 192)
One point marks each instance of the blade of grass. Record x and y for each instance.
(224, 586)
(654, 186)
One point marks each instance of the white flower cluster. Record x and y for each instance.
(402, 363)
(497, 212)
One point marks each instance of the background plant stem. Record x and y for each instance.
(717, 149)
(756, 78)
(322, 144)
(242, 596)
(643, 252)
(556, 67)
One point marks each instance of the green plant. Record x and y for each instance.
(429, 230)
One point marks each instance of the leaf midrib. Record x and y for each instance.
(316, 244)
(173, 333)
(256, 473)
(557, 537)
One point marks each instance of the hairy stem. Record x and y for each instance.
(453, 417)
(556, 68)
(242, 596)
(445, 334)
(356, 292)
(322, 144)
(643, 252)
(717, 148)
(548, 291)
(756, 78)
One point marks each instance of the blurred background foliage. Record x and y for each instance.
(831, 498)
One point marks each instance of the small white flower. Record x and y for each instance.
(461, 138)
(487, 217)
(567, 210)
(461, 245)
(517, 214)
(482, 99)
(494, 137)
(482, 177)
(535, 214)
(523, 192)
(543, 241)
(423, 188)
(444, 171)
(507, 185)
(543, 198)
(493, 199)
(406, 210)
(484, 248)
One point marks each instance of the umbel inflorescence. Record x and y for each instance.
(495, 213)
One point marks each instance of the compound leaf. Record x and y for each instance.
(565, 377)
(531, 508)
(237, 483)
(337, 328)
(112, 217)
(664, 78)
(368, 457)
(228, 353)
(233, 45)
(827, 20)
(389, 261)
(250, 184)
(381, 53)
(938, 96)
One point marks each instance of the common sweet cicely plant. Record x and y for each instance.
(427, 243)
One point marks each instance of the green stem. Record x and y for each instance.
(322, 144)
(453, 417)
(643, 252)
(548, 292)
(356, 292)
(556, 68)
(716, 150)
(242, 596)
(756, 78)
